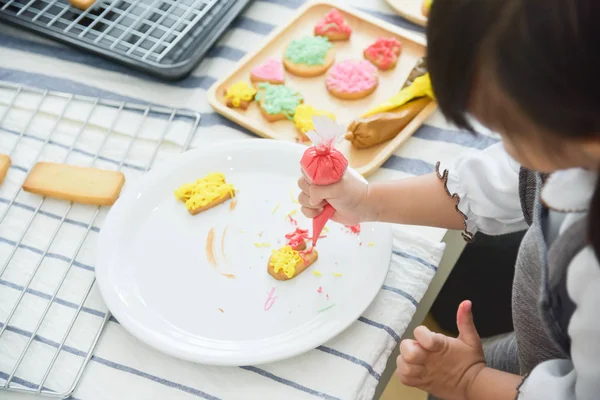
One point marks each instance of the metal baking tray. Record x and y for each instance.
(165, 38)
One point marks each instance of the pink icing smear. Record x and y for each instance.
(354, 228)
(352, 77)
(270, 300)
(271, 70)
(333, 21)
(296, 238)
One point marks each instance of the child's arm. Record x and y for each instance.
(492, 384)
(453, 368)
(485, 185)
(420, 200)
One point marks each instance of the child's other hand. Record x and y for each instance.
(347, 196)
(440, 365)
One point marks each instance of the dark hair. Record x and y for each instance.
(543, 54)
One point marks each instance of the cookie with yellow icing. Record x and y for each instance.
(205, 193)
(303, 119)
(239, 95)
(287, 263)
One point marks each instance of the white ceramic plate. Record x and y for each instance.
(409, 9)
(155, 277)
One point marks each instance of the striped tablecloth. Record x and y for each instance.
(347, 367)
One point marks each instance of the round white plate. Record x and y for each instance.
(409, 9)
(156, 279)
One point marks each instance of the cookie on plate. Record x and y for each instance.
(271, 71)
(239, 95)
(205, 193)
(384, 53)
(309, 56)
(333, 26)
(287, 263)
(277, 102)
(352, 80)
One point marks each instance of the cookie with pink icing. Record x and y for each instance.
(333, 26)
(352, 80)
(384, 53)
(271, 71)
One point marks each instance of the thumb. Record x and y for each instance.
(318, 193)
(467, 332)
(428, 340)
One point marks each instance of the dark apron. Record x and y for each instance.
(541, 307)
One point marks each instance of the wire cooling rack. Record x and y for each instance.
(163, 37)
(31, 303)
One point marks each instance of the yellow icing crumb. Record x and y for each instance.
(291, 213)
(262, 244)
(371, 244)
(294, 200)
(285, 259)
(337, 274)
(242, 231)
(204, 191)
(303, 117)
(325, 229)
(275, 209)
(317, 273)
(238, 92)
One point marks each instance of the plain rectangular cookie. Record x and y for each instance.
(77, 184)
(4, 166)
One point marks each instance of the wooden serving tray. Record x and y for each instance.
(366, 30)
(409, 9)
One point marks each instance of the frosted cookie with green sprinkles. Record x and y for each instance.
(309, 56)
(277, 102)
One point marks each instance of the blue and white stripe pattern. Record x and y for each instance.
(347, 367)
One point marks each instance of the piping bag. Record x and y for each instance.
(322, 164)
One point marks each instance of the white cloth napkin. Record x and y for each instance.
(347, 367)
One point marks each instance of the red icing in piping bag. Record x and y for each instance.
(322, 164)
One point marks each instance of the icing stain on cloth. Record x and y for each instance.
(205, 193)
(278, 99)
(309, 50)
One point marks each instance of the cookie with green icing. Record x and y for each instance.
(309, 56)
(277, 102)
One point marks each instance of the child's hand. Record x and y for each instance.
(347, 196)
(440, 365)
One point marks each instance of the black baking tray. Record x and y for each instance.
(164, 38)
